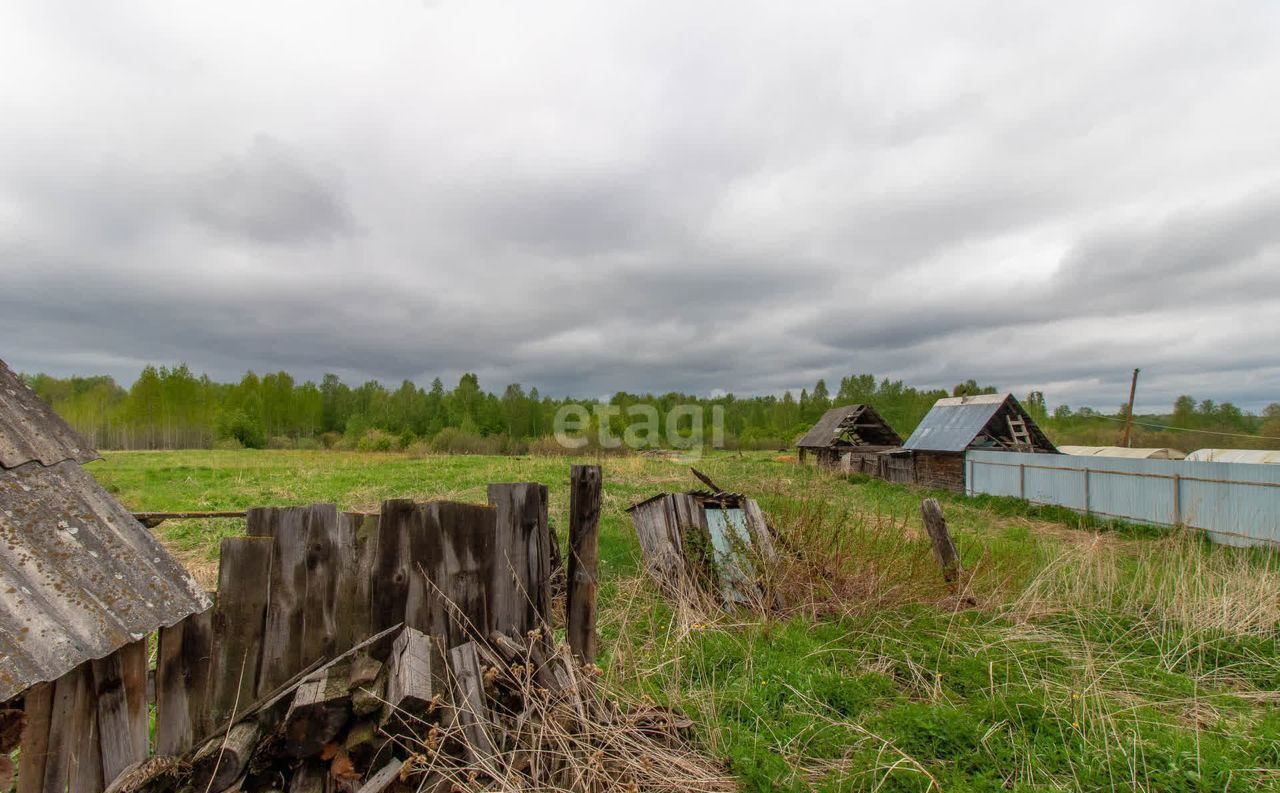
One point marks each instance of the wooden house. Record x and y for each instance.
(850, 438)
(84, 584)
(955, 425)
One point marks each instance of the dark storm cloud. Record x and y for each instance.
(589, 198)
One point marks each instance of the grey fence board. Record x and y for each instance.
(1236, 503)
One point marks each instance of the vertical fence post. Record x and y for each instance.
(584, 556)
(968, 480)
(1022, 481)
(1177, 499)
(1086, 491)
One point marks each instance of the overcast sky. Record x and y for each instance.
(690, 196)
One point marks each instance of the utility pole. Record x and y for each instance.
(1128, 421)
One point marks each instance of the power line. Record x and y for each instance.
(1186, 429)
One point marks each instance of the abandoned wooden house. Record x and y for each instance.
(955, 425)
(850, 438)
(84, 584)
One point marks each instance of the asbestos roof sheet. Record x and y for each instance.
(30, 430)
(79, 576)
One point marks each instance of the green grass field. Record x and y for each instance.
(1097, 657)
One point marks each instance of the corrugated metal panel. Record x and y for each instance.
(30, 430)
(1252, 456)
(955, 423)
(877, 432)
(79, 576)
(1236, 504)
(952, 424)
(1122, 451)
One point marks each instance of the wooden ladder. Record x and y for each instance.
(1019, 432)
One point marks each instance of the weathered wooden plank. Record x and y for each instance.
(654, 521)
(238, 622)
(120, 685)
(584, 561)
(392, 564)
(469, 703)
(412, 670)
(944, 550)
(355, 578)
(182, 683)
(73, 760)
(86, 757)
(458, 565)
(762, 537)
(287, 644)
(320, 709)
(433, 567)
(519, 594)
(37, 704)
(368, 684)
(383, 779)
(328, 548)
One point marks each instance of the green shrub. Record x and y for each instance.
(281, 442)
(451, 440)
(375, 441)
(243, 428)
(308, 444)
(330, 440)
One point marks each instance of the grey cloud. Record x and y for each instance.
(596, 199)
(268, 194)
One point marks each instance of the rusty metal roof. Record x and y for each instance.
(30, 430)
(79, 576)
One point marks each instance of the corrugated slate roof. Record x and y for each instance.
(875, 431)
(953, 424)
(79, 576)
(30, 430)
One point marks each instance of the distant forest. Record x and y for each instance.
(172, 408)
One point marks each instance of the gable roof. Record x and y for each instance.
(956, 423)
(862, 420)
(80, 576)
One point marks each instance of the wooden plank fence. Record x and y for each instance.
(303, 584)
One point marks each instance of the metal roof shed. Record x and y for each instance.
(80, 576)
(988, 421)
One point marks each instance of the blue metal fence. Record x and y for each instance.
(1236, 503)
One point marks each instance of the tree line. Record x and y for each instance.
(171, 408)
